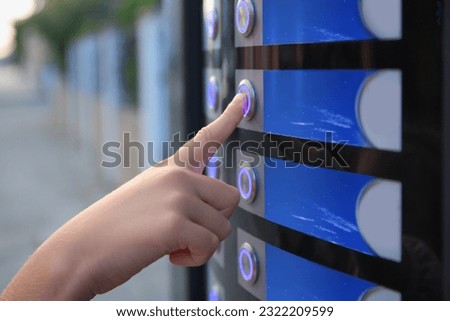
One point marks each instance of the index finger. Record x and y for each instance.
(196, 153)
(216, 193)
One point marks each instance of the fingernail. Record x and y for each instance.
(239, 96)
(243, 98)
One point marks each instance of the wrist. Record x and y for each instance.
(70, 271)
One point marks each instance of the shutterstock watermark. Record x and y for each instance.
(309, 153)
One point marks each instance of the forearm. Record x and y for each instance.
(87, 256)
(53, 272)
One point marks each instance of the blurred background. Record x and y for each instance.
(75, 74)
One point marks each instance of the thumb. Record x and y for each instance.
(196, 153)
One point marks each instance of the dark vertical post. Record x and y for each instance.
(193, 101)
(446, 146)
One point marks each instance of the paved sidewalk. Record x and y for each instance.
(43, 183)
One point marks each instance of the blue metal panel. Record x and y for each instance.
(316, 201)
(291, 278)
(309, 21)
(310, 103)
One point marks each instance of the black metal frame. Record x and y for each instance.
(193, 100)
(445, 9)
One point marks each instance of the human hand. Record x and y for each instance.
(170, 209)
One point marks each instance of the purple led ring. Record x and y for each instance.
(213, 167)
(245, 194)
(250, 193)
(246, 107)
(212, 24)
(246, 275)
(249, 8)
(251, 275)
(212, 93)
(216, 293)
(249, 107)
(213, 295)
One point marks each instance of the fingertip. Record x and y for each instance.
(215, 133)
(237, 197)
(240, 96)
(236, 106)
(224, 126)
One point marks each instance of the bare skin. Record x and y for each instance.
(169, 209)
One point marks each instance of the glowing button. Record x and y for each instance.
(213, 168)
(246, 181)
(212, 24)
(215, 293)
(249, 107)
(248, 263)
(245, 17)
(212, 93)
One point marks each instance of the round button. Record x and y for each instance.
(212, 93)
(245, 17)
(212, 24)
(247, 182)
(213, 167)
(249, 106)
(248, 263)
(215, 293)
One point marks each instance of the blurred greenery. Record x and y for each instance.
(129, 10)
(60, 22)
(130, 69)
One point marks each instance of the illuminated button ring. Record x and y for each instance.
(212, 93)
(212, 24)
(213, 168)
(245, 17)
(246, 180)
(248, 263)
(215, 293)
(249, 107)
